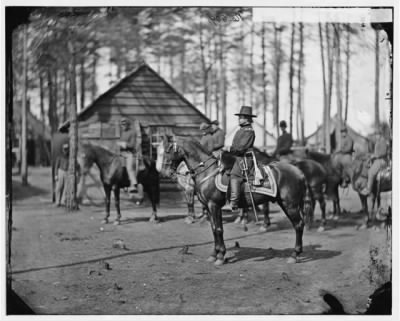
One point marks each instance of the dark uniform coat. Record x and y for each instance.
(347, 145)
(243, 141)
(207, 142)
(284, 144)
(218, 139)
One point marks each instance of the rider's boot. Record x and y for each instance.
(234, 197)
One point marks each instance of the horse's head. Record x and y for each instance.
(172, 156)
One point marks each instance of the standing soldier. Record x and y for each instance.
(218, 136)
(206, 140)
(61, 170)
(127, 146)
(378, 161)
(243, 142)
(346, 148)
(284, 144)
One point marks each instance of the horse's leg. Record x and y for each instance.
(267, 221)
(293, 213)
(240, 216)
(189, 195)
(107, 191)
(220, 248)
(336, 205)
(322, 205)
(116, 200)
(367, 220)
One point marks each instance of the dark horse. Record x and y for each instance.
(382, 183)
(338, 174)
(203, 167)
(114, 176)
(316, 178)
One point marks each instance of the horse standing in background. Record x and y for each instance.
(382, 183)
(114, 176)
(338, 174)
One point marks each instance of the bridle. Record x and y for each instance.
(204, 165)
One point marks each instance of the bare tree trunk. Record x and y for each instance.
(377, 79)
(347, 73)
(222, 78)
(70, 192)
(183, 65)
(24, 112)
(252, 63)
(300, 109)
(94, 72)
(330, 84)
(277, 62)
(325, 119)
(337, 29)
(41, 96)
(204, 69)
(241, 89)
(65, 93)
(264, 84)
(83, 81)
(291, 74)
(216, 88)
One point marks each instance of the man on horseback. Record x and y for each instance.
(218, 136)
(243, 142)
(206, 140)
(127, 146)
(284, 145)
(378, 162)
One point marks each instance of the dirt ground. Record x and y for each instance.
(67, 263)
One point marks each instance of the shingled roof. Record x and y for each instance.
(147, 97)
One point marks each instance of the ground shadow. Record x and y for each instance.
(310, 253)
(162, 219)
(20, 192)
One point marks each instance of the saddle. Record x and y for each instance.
(252, 173)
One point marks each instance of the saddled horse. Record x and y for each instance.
(338, 174)
(382, 183)
(316, 178)
(203, 166)
(114, 176)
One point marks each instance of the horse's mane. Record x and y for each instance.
(194, 143)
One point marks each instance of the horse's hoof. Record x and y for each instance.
(238, 220)
(117, 222)
(154, 219)
(211, 259)
(292, 260)
(335, 218)
(363, 227)
(263, 229)
(189, 220)
(321, 229)
(244, 221)
(105, 221)
(219, 262)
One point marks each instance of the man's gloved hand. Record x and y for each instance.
(122, 145)
(56, 178)
(226, 148)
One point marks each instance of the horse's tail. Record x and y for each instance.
(307, 203)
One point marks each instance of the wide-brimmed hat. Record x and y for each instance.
(343, 129)
(215, 122)
(124, 121)
(246, 111)
(283, 124)
(204, 126)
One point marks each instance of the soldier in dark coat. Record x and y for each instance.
(206, 140)
(243, 142)
(218, 136)
(346, 148)
(284, 144)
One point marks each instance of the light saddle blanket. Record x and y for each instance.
(254, 189)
